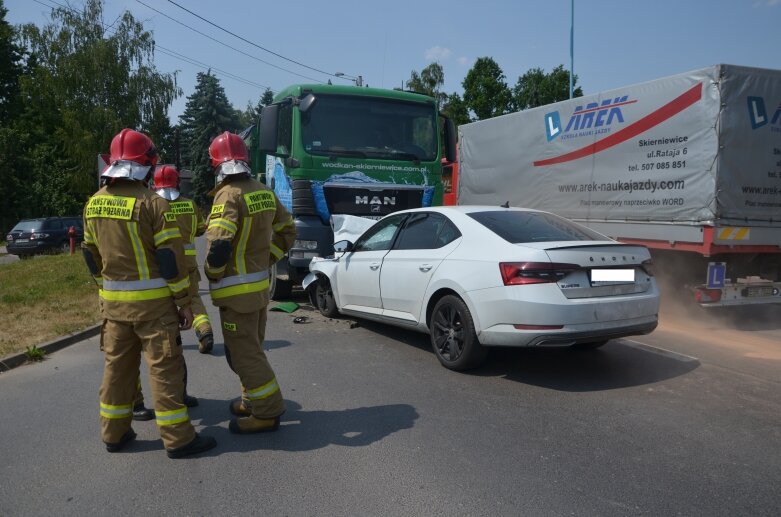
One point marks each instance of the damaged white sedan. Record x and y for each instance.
(475, 277)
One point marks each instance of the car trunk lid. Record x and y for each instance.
(600, 268)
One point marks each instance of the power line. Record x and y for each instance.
(256, 45)
(192, 61)
(171, 53)
(225, 44)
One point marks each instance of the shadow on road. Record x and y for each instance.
(302, 430)
(615, 365)
(219, 347)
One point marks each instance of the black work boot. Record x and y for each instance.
(190, 401)
(240, 407)
(142, 413)
(205, 342)
(251, 425)
(199, 444)
(128, 437)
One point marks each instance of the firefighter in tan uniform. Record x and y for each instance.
(133, 249)
(248, 231)
(191, 225)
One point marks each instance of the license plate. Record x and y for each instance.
(623, 276)
(753, 292)
(21, 240)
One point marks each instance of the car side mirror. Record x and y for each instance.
(343, 246)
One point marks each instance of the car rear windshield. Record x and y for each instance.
(516, 227)
(27, 226)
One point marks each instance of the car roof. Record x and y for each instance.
(468, 209)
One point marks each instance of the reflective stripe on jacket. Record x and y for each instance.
(191, 224)
(126, 225)
(249, 216)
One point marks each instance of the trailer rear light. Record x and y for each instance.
(524, 273)
(521, 326)
(703, 295)
(648, 267)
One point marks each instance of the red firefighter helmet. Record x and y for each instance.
(133, 146)
(226, 147)
(166, 176)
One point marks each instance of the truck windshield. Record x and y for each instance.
(367, 127)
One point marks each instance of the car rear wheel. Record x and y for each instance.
(324, 296)
(453, 336)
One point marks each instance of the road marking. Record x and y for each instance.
(658, 350)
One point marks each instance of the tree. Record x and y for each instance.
(429, 82)
(10, 67)
(207, 114)
(82, 83)
(11, 163)
(455, 108)
(159, 129)
(536, 88)
(486, 93)
(268, 97)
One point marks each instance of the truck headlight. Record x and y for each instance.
(304, 245)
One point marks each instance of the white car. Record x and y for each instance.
(478, 276)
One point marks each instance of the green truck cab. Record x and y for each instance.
(327, 149)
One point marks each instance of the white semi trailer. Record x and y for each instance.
(688, 165)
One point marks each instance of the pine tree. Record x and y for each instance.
(207, 114)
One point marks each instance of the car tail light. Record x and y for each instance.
(524, 273)
(648, 267)
(34, 236)
(9, 237)
(703, 295)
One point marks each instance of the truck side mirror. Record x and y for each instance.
(269, 126)
(450, 140)
(307, 103)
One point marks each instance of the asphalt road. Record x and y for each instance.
(685, 421)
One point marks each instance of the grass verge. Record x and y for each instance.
(44, 298)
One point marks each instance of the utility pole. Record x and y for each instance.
(571, 47)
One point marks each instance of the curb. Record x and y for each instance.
(12, 361)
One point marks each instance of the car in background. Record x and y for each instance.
(44, 235)
(474, 277)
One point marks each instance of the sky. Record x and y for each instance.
(616, 42)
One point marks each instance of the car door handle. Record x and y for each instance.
(425, 267)
(374, 266)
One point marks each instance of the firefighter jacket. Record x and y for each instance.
(191, 225)
(248, 231)
(133, 248)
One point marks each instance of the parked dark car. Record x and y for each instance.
(45, 235)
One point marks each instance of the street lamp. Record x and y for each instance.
(357, 80)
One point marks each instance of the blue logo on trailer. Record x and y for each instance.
(717, 271)
(552, 125)
(757, 112)
(589, 119)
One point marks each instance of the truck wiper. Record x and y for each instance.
(407, 156)
(344, 152)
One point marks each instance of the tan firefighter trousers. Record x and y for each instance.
(244, 334)
(201, 323)
(122, 343)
